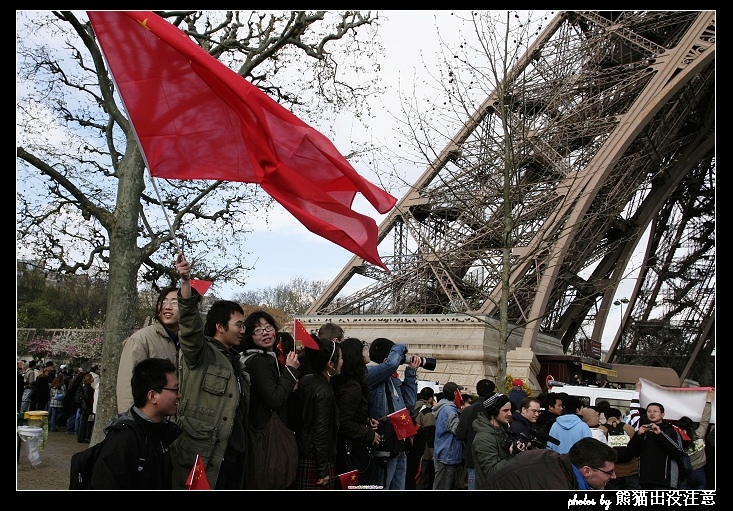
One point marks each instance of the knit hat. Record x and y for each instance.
(493, 404)
(517, 382)
(590, 417)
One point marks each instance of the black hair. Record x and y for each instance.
(287, 341)
(219, 314)
(329, 351)
(354, 366)
(485, 387)
(612, 412)
(251, 322)
(591, 453)
(149, 374)
(571, 404)
(379, 349)
(426, 393)
(161, 296)
(661, 407)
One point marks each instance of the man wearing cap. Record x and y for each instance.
(516, 394)
(491, 447)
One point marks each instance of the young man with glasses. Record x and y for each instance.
(524, 420)
(589, 465)
(213, 412)
(159, 339)
(156, 394)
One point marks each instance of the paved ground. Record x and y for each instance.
(53, 471)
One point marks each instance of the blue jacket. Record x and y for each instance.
(568, 429)
(448, 449)
(404, 393)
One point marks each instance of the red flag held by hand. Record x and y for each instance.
(197, 480)
(201, 285)
(458, 398)
(402, 424)
(302, 335)
(349, 479)
(195, 118)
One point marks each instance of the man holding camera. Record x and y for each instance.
(387, 394)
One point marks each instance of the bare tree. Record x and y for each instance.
(83, 201)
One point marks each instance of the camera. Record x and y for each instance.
(425, 362)
(536, 439)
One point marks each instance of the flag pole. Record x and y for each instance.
(139, 146)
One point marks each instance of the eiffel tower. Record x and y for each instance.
(610, 116)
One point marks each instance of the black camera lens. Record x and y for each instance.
(428, 363)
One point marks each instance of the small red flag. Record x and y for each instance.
(402, 424)
(201, 285)
(280, 352)
(302, 335)
(195, 118)
(197, 480)
(458, 398)
(349, 479)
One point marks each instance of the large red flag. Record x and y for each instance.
(196, 479)
(402, 424)
(349, 479)
(302, 335)
(197, 119)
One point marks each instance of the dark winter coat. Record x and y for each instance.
(116, 467)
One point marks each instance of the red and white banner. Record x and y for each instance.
(677, 402)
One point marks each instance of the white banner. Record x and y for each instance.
(677, 402)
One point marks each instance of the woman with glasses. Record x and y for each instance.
(272, 384)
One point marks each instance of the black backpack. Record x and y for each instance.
(79, 394)
(82, 463)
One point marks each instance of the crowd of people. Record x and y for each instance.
(226, 388)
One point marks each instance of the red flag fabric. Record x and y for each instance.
(197, 480)
(197, 119)
(302, 335)
(201, 285)
(402, 424)
(458, 398)
(280, 352)
(349, 479)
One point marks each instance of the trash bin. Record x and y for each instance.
(38, 419)
(32, 437)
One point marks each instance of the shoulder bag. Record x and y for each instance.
(273, 456)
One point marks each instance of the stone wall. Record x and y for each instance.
(465, 347)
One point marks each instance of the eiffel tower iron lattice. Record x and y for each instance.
(610, 117)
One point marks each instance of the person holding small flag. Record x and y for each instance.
(213, 412)
(319, 420)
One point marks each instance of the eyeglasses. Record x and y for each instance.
(169, 303)
(532, 410)
(177, 390)
(260, 331)
(239, 325)
(609, 474)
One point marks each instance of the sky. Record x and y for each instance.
(283, 248)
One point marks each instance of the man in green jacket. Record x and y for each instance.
(213, 412)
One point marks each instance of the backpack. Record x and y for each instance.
(79, 394)
(82, 463)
